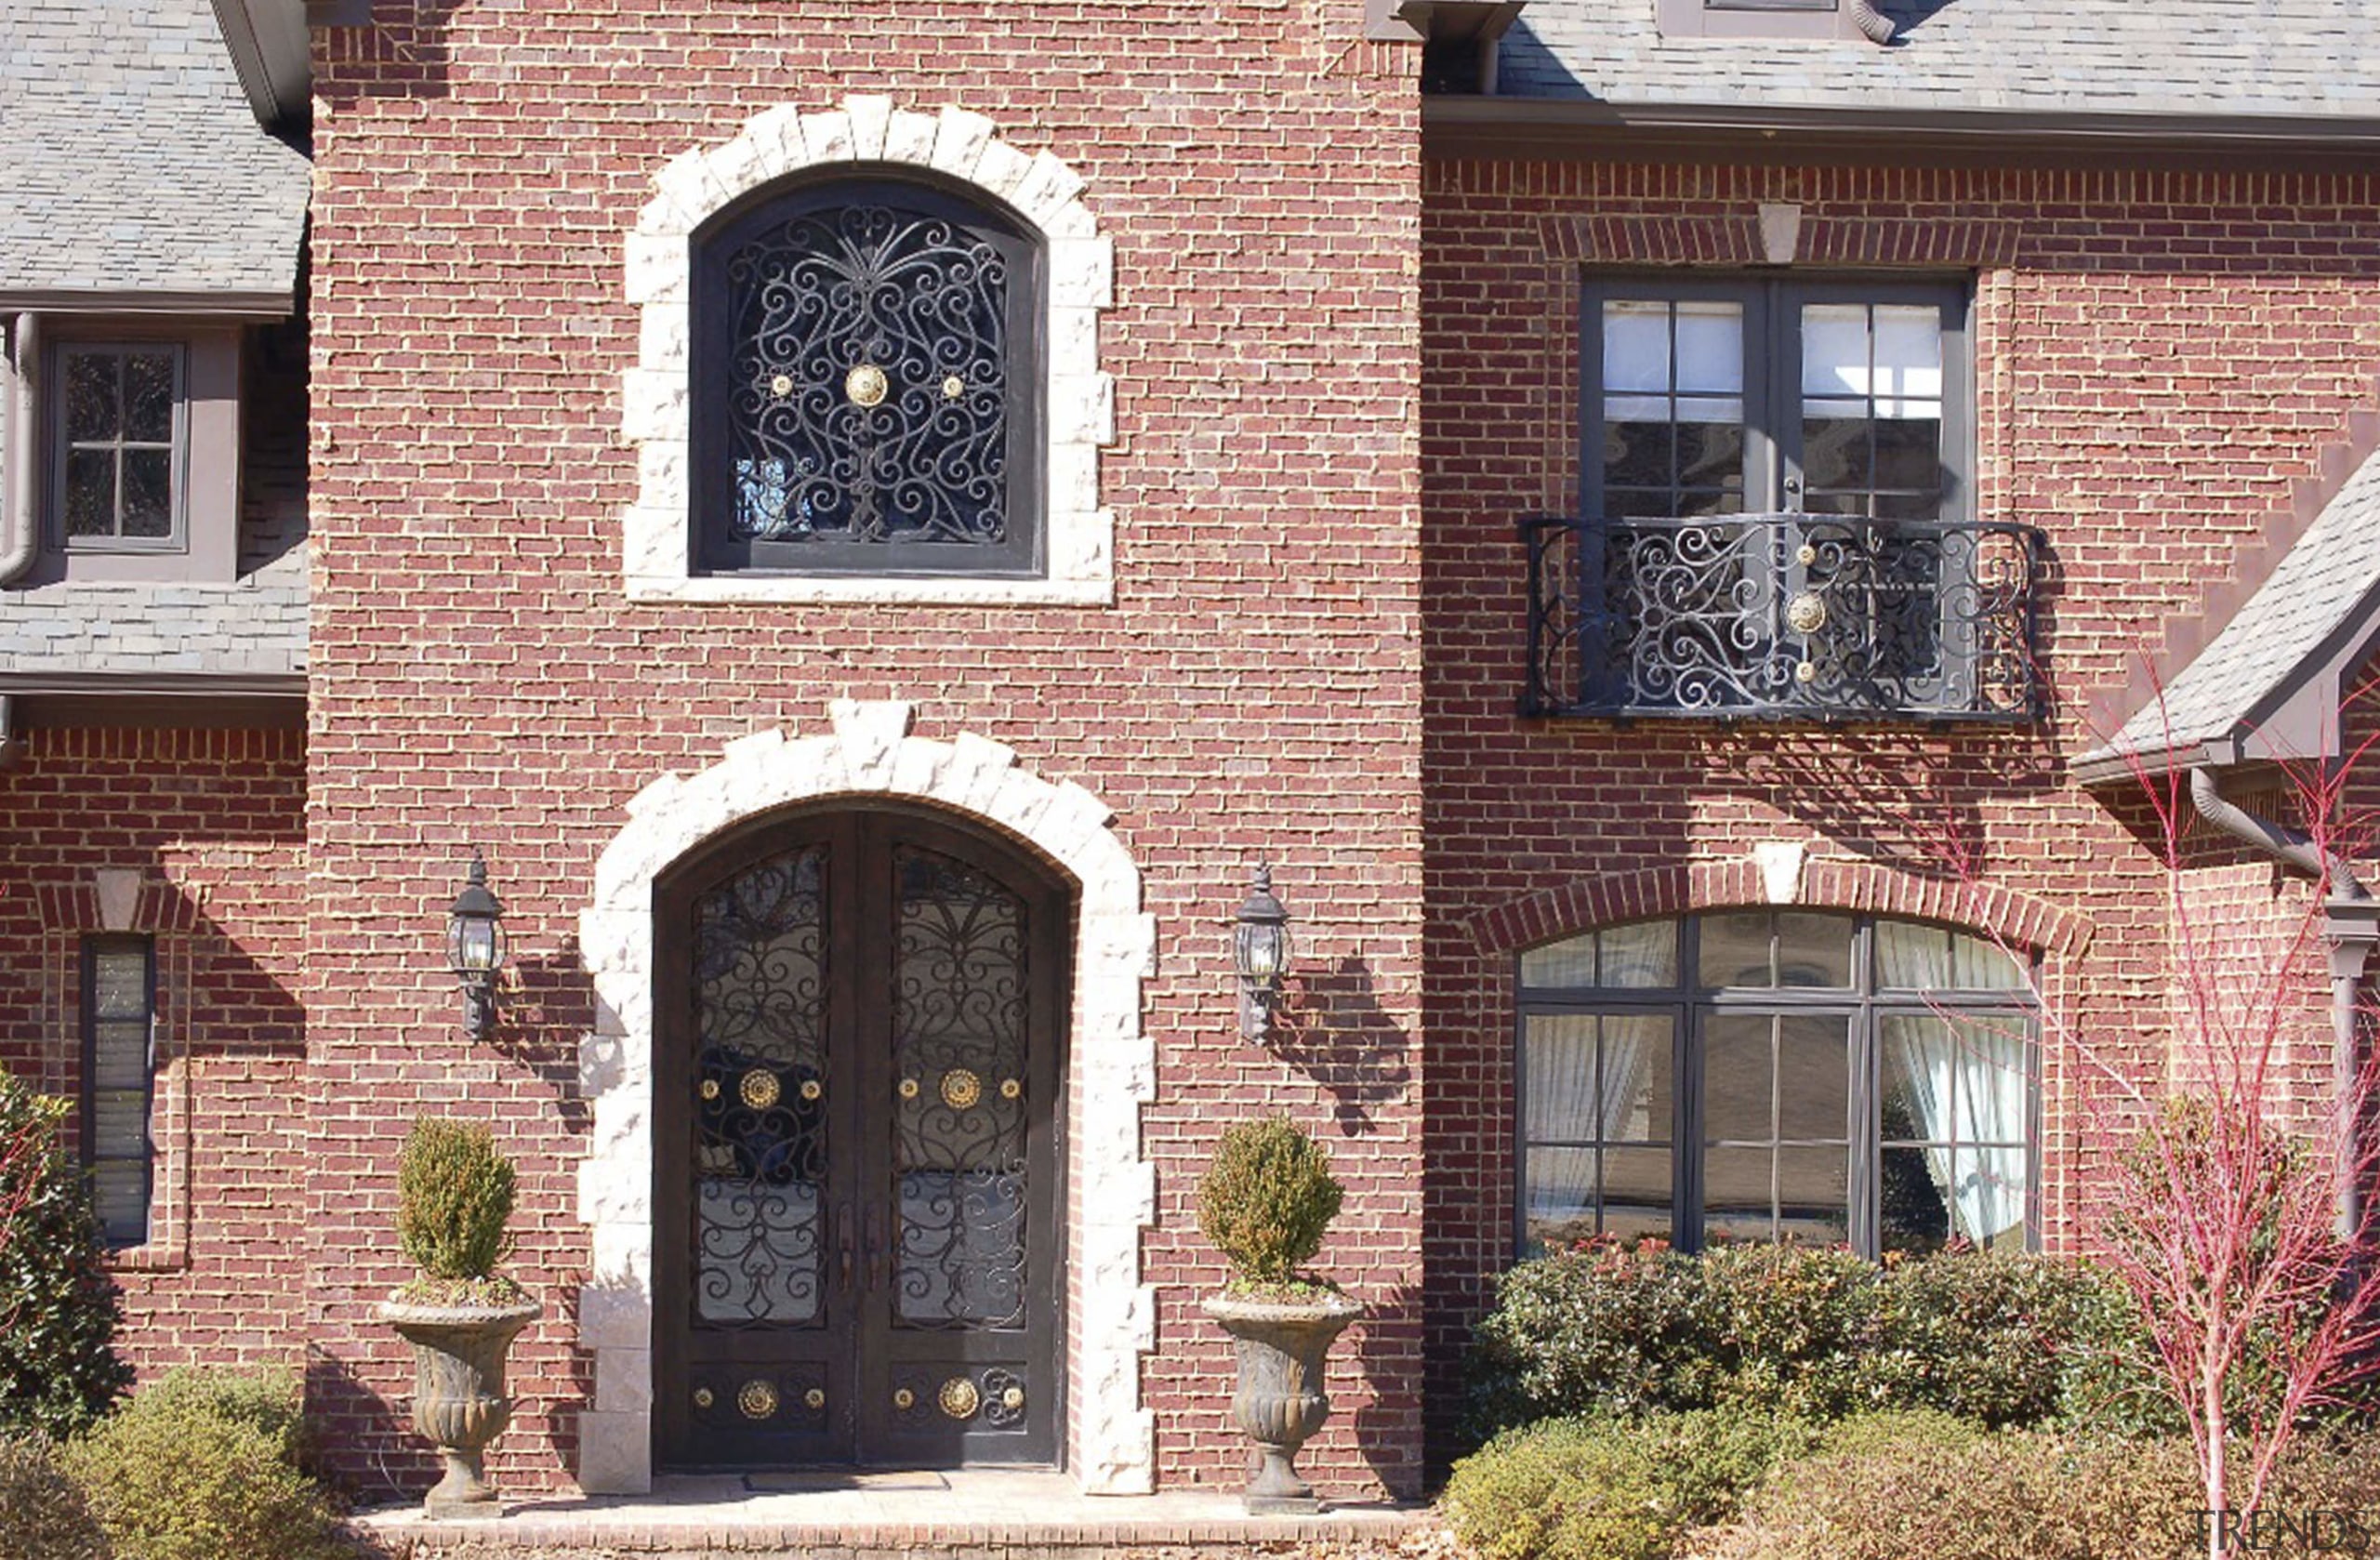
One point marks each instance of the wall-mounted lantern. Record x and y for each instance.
(475, 948)
(1259, 955)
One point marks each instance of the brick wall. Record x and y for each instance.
(479, 677)
(2160, 358)
(212, 825)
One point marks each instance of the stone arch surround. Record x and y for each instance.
(866, 131)
(1111, 1065)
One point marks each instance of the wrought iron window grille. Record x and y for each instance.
(1783, 616)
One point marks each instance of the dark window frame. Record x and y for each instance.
(64, 445)
(1772, 464)
(710, 483)
(92, 948)
(1689, 1005)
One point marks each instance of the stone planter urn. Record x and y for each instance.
(1279, 1401)
(458, 1398)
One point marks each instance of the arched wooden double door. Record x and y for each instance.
(857, 1166)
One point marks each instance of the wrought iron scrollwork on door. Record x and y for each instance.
(759, 1117)
(871, 379)
(960, 1005)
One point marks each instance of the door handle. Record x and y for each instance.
(875, 1249)
(843, 1240)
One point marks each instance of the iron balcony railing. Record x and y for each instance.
(1783, 616)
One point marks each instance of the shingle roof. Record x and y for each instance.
(2291, 58)
(129, 159)
(2325, 587)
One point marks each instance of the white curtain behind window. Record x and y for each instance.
(1967, 1083)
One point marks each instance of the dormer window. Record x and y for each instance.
(123, 443)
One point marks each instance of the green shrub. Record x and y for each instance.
(58, 1306)
(42, 1513)
(203, 1466)
(1819, 1333)
(1612, 1490)
(1268, 1199)
(1918, 1488)
(453, 1199)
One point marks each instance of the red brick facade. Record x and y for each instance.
(479, 677)
(207, 830)
(2160, 359)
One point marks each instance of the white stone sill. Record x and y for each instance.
(781, 589)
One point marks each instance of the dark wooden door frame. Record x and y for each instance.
(857, 1356)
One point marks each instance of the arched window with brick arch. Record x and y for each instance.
(865, 383)
(1779, 1075)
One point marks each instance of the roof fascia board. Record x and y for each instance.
(2108, 769)
(271, 54)
(151, 684)
(275, 305)
(1467, 125)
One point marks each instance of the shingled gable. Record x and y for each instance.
(130, 163)
(2109, 61)
(2269, 685)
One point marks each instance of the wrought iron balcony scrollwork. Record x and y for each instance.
(1804, 616)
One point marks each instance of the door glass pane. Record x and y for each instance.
(1812, 1077)
(960, 1109)
(761, 1085)
(1710, 350)
(1672, 408)
(1871, 409)
(1739, 1079)
(1834, 351)
(1636, 347)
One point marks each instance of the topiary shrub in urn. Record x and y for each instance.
(1265, 1204)
(454, 1200)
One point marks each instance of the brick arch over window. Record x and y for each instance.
(2005, 915)
(869, 135)
(1110, 1437)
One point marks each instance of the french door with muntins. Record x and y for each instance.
(856, 1155)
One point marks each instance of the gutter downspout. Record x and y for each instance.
(23, 530)
(2351, 930)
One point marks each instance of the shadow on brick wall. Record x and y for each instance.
(1386, 1429)
(1331, 1028)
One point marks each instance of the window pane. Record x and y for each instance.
(90, 493)
(1637, 454)
(1995, 1082)
(121, 1059)
(1913, 1214)
(1812, 1077)
(1912, 957)
(1915, 1056)
(1637, 1087)
(1559, 1195)
(1711, 349)
(1979, 965)
(1710, 454)
(1909, 454)
(1738, 1084)
(1834, 350)
(119, 982)
(1560, 1055)
(120, 1188)
(1738, 1196)
(1908, 356)
(1636, 347)
(1988, 1189)
(1814, 1194)
(93, 383)
(1641, 954)
(1835, 453)
(1636, 1192)
(1814, 950)
(149, 493)
(1569, 963)
(1735, 950)
(120, 1124)
(149, 397)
